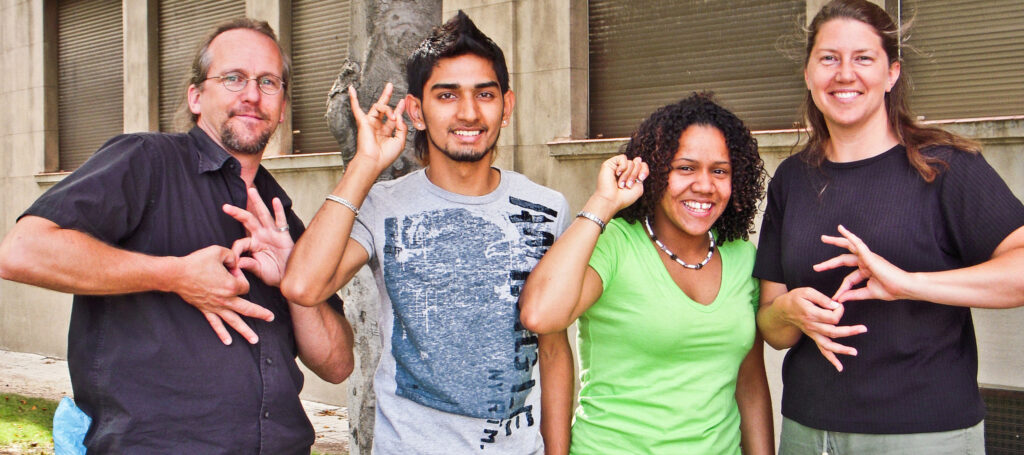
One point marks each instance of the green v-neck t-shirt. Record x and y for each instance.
(658, 370)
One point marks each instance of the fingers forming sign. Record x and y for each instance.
(882, 280)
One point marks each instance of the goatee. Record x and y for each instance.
(237, 144)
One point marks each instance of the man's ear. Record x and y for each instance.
(414, 107)
(192, 97)
(509, 99)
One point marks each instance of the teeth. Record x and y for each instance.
(466, 133)
(845, 95)
(698, 205)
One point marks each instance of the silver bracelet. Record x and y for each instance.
(343, 201)
(592, 217)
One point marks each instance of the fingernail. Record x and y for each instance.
(254, 340)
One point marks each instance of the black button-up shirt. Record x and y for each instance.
(147, 367)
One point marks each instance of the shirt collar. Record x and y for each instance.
(212, 156)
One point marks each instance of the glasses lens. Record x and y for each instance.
(233, 81)
(270, 84)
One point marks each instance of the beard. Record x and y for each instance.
(237, 142)
(463, 155)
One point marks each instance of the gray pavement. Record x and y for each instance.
(46, 377)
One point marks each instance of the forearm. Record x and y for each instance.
(38, 252)
(771, 324)
(996, 283)
(316, 268)
(324, 339)
(551, 298)
(753, 399)
(556, 379)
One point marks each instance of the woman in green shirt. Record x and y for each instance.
(671, 361)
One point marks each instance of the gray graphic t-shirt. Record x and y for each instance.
(457, 370)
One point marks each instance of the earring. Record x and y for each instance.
(504, 123)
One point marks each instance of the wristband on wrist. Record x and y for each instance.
(343, 201)
(592, 217)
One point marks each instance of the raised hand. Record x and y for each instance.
(884, 280)
(381, 130)
(620, 181)
(269, 243)
(212, 282)
(818, 317)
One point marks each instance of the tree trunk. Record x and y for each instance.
(384, 34)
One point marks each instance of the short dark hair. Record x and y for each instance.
(202, 60)
(459, 36)
(656, 141)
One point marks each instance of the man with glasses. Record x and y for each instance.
(162, 237)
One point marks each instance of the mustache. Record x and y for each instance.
(248, 112)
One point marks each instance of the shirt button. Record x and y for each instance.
(270, 361)
(266, 414)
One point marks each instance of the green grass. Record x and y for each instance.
(26, 424)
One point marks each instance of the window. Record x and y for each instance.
(320, 36)
(90, 100)
(969, 58)
(647, 53)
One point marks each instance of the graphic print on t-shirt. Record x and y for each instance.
(454, 277)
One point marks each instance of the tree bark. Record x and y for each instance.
(384, 34)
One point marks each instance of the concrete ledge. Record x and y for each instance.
(304, 162)
(988, 131)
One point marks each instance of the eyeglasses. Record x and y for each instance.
(236, 82)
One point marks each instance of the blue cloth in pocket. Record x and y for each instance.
(70, 425)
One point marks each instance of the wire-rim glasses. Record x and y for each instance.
(234, 81)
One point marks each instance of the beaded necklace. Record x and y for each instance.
(711, 249)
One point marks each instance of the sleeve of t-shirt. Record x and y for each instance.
(564, 217)
(603, 259)
(768, 262)
(978, 209)
(362, 228)
(107, 196)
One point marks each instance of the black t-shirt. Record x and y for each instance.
(916, 368)
(147, 367)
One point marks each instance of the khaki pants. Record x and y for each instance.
(797, 439)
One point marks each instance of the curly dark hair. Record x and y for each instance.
(656, 141)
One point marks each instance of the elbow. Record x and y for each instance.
(338, 372)
(299, 292)
(533, 316)
(535, 322)
(13, 263)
